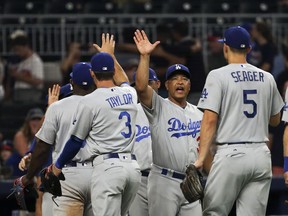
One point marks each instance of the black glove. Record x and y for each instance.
(192, 185)
(22, 192)
(51, 182)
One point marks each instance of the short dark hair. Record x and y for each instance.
(22, 40)
(239, 51)
(104, 76)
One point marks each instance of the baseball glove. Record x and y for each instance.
(51, 182)
(192, 185)
(24, 193)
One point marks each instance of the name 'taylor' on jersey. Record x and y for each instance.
(120, 100)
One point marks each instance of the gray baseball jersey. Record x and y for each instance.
(175, 133)
(285, 110)
(92, 121)
(142, 148)
(245, 97)
(58, 121)
(55, 131)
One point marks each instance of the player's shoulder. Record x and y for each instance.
(194, 109)
(73, 99)
(266, 74)
(126, 87)
(219, 72)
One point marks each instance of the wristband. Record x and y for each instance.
(285, 164)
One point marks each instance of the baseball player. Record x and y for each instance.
(142, 150)
(54, 132)
(105, 119)
(285, 137)
(44, 203)
(175, 130)
(239, 101)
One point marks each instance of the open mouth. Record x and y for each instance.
(180, 89)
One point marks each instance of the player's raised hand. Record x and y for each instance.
(25, 161)
(144, 46)
(53, 94)
(108, 44)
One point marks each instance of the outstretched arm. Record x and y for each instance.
(145, 48)
(108, 45)
(207, 134)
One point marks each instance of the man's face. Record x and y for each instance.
(155, 84)
(5, 154)
(178, 86)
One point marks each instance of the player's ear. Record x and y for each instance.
(158, 84)
(225, 50)
(93, 76)
(166, 84)
(249, 49)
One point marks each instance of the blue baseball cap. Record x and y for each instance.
(66, 91)
(177, 68)
(152, 75)
(236, 37)
(102, 62)
(80, 74)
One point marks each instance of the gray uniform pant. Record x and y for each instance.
(139, 207)
(114, 184)
(240, 172)
(76, 197)
(165, 197)
(47, 204)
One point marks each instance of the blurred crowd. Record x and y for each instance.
(22, 76)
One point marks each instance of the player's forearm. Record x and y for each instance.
(275, 120)
(207, 133)
(39, 157)
(142, 74)
(71, 148)
(120, 75)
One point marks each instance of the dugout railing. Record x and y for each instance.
(49, 34)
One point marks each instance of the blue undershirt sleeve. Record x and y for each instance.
(71, 148)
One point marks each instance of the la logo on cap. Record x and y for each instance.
(104, 68)
(177, 67)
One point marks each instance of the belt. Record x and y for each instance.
(145, 173)
(238, 143)
(117, 155)
(174, 174)
(78, 164)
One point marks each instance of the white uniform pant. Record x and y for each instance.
(240, 172)
(165, 197)
(47, 204)
(76, 197)
(139, 207)
(114, 184)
